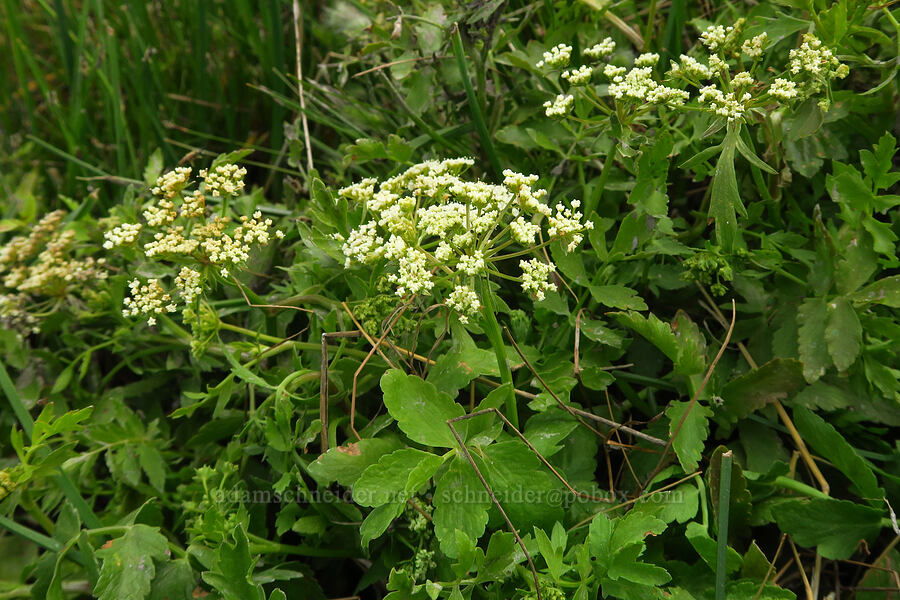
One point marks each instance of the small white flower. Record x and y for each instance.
(464, 300)
(557, 57)
(535, 277)
(579, 76)
(598, 51)
(647, 59)
(783, 89)
(754, 46)
(560, 106)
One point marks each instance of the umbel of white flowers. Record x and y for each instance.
(185, 236)
(439, 232)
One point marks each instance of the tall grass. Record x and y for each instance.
(107, 82)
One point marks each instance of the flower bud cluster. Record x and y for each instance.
(180, 232)
(439, 232)
(557, 57)
(725, 86)
(41, 272)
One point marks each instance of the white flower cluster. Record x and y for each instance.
(121, 235)
(184, 234)
(560, 106)
(168, 185)
(783, 89)
(440, 232)
(535, 277)
(227, 179)
(601, 50)
(817, 61)
(557, 57)
(724, 104)
(579, 76)
(149, 299)
(648, 59)
(41, 271)
(188, 282)
(464, 300)
(639, 86)
(724, 40)
(755, 46)
(689, 68)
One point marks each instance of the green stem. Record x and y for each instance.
(722, 535)
(259, 545)
(492, 330)
(799, 487)
(474, 108)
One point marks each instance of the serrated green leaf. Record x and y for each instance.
(460, 503)
(885, 291)
(346, 463)
(843, 334)
(420, 410)
(812, 317)
(233, 565)
(128, 563)
(625, 565)
(692, 435)
(657, 332)
(835, 527)
(174, 580)
(377, 521)
(778, 379)
(395, 477)
(617, 296)
(705, 546)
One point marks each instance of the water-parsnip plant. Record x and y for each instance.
(444, 236)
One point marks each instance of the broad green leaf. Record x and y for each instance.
(657, 332)
(460, 503)
(154, 167)
(153, 465)
(843, 334)
(507, 466)
(501, 557)
(617, 296)
(377, 521)
(692, 435)
(825, 440)
(455, 369)
(884, 291)
(812, 317)
(691, 345)
(778, 379)
(835, 527)
(420, 410)
(174, 580)
(395, 477)
(346, 463)
(128, 563)
(600, 536)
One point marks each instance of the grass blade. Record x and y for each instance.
(474, 108)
